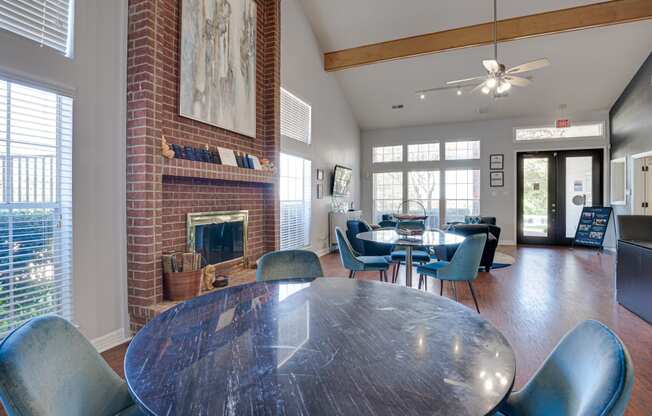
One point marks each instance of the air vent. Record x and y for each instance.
(397, 107)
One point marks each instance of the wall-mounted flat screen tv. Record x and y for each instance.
(342, 178)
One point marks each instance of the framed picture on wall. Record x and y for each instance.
(320, 174)
(497, 179)
(497, 162)
(320, 191)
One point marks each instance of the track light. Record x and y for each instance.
(422, 96)
(459, 91)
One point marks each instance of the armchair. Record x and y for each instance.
(365, 248)
(477, 225)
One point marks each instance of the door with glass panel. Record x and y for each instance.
(553, 188)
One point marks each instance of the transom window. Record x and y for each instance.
(387, 154)
(425, 152)
(387, 193)
(423, 186)
(462, 194)
(464, 150)
(47, 22)
(295, 173)
(35, 204)
(593, 130)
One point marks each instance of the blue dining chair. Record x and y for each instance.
(356, 263)
(589, 372)
(288, 264)
(463, 266)
(47, 368)
(397, 257)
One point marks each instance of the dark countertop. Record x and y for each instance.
(640, 243)
(331, 346)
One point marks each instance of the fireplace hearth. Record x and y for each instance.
(220, 237)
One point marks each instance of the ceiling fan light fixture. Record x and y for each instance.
(486, 90)
(492, 82)
(503, 87)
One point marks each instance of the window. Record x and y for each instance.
(387, 154)
(462, 194)
(296, 117)
(295, 202)
(594, 130)
(35, 204)
(423, 186)
(388, 193)
(48, 22)
(463, 150)
(423, 152)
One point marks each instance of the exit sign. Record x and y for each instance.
(563, 124)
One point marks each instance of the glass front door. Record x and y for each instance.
(553, 187)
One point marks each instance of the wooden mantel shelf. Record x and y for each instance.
(190, 169)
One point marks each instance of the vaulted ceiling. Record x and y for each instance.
(589, 70)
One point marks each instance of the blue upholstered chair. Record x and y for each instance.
(356, 263)
(47, 368)
(462, 267)
(364, 247)
(288, 264)
(590, 372)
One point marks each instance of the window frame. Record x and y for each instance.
(306, 201)
(394, 146)
(438, 174)
(402, 174)
(447, 142)
(439, 154)
(445, 193)
(559, 139)
(58, 200)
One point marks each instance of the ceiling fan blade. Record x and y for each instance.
(530, 66)
(518, 81)
(478, 87)
(491, 65)
(463, 81)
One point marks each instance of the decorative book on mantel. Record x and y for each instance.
(219, 156)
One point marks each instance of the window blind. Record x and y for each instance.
(35, 204)
(48, 22)
(295, 202)
(296, 117)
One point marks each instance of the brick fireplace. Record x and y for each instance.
(161, 192)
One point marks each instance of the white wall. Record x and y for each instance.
(335, 133)
(97, 78)
(496, 136)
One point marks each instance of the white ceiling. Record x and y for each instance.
(590, 68)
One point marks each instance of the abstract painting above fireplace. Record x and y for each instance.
(220, 237)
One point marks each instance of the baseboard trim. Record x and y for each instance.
(507, 243)
(110, 340)
(322, 252)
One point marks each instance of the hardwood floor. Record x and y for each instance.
(534, 303)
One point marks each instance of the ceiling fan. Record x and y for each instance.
(498, 80)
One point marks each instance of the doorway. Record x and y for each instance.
(552, 189)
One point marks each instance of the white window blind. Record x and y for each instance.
(295, 202)
(35, 204)
(296, 117)
(48, 22)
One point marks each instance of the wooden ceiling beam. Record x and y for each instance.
(582, 17)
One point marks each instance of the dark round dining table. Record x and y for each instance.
(330, 346)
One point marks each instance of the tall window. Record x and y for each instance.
(581, 131)
(295, 202)
(296, 117)
(35, 204)
(462, 194)
(424, 187)
(425, 152)
(385, 154)
(388, 193)
(466, 150)
(48, 22)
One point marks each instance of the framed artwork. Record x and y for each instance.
(227, 156)
(320, 174)
(497, 179)
(497, 162)
(320, 191)
(218, 63)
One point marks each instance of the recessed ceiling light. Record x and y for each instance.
(397, 107)
(459, 91)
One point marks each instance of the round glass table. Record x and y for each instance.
(430, 238)
(322, 347)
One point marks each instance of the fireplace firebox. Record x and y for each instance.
(220, 237)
